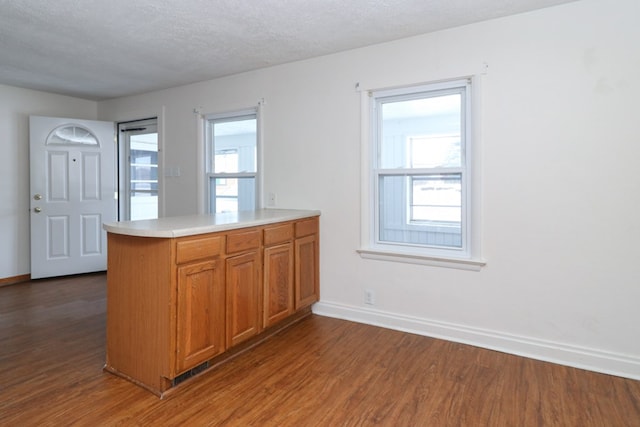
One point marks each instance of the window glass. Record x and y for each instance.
(436, 198)
(422, 132)
(232, 194)
(235, 145)
(72, 135)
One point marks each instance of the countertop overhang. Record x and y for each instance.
(189, 225)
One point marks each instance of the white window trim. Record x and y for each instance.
(369, 248)
(204, 174)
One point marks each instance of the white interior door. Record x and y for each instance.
(72, 194)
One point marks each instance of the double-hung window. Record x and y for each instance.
(232, 161)
(420, 170)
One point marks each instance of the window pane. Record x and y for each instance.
(434, 151)
(151, 186)
(420, 210)
(419, 133)
(145, 172)
(234, 145)
(232, 194)
(436, 198)
(226, 160)
(144, 205)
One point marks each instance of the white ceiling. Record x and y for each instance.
(100, 49)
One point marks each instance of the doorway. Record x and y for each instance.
(138, 169)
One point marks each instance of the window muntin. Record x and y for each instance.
(232, 165)
(420, 168)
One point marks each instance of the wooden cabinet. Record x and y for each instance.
(177, 305)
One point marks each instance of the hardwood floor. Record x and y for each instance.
(320, 372)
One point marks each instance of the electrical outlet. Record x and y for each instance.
(271, 199)
(369, 297)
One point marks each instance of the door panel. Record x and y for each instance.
(58, 230)
(58, 180)
(278, 283)
(90, 177)
(72, 193)
(91, 235)
(200, 317)
(243, 297)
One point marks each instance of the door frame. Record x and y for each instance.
(124, 131)
(139, 116)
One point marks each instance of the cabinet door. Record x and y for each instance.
(307, 271)
(243, 297)
(200, 315)
(278, 283)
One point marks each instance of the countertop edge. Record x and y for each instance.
(172, 227)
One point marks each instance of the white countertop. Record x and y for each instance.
(179, 226)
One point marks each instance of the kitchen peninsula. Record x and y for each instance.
(186, 293)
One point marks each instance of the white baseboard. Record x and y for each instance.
(569, 355)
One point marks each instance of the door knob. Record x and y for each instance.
(37, 197)
(37, 210)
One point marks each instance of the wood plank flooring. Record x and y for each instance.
(320, 372)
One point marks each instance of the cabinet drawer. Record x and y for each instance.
(198, 248)
(278, 234)
(306, 227)
(242, 241)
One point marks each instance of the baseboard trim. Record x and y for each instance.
(548, 351)
(15, 279)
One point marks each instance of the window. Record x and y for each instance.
(72, 135)
(232, 163)
(420, 171)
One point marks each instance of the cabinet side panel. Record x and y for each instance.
(139, 290)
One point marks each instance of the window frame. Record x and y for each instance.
(467, 257)
(209, 152)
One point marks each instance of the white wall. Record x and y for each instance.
(16, 105)
(559, 148)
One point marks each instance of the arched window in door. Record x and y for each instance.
(71, 134)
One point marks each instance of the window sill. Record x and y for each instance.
(413, 258)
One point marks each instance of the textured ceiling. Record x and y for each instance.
(99, 49)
